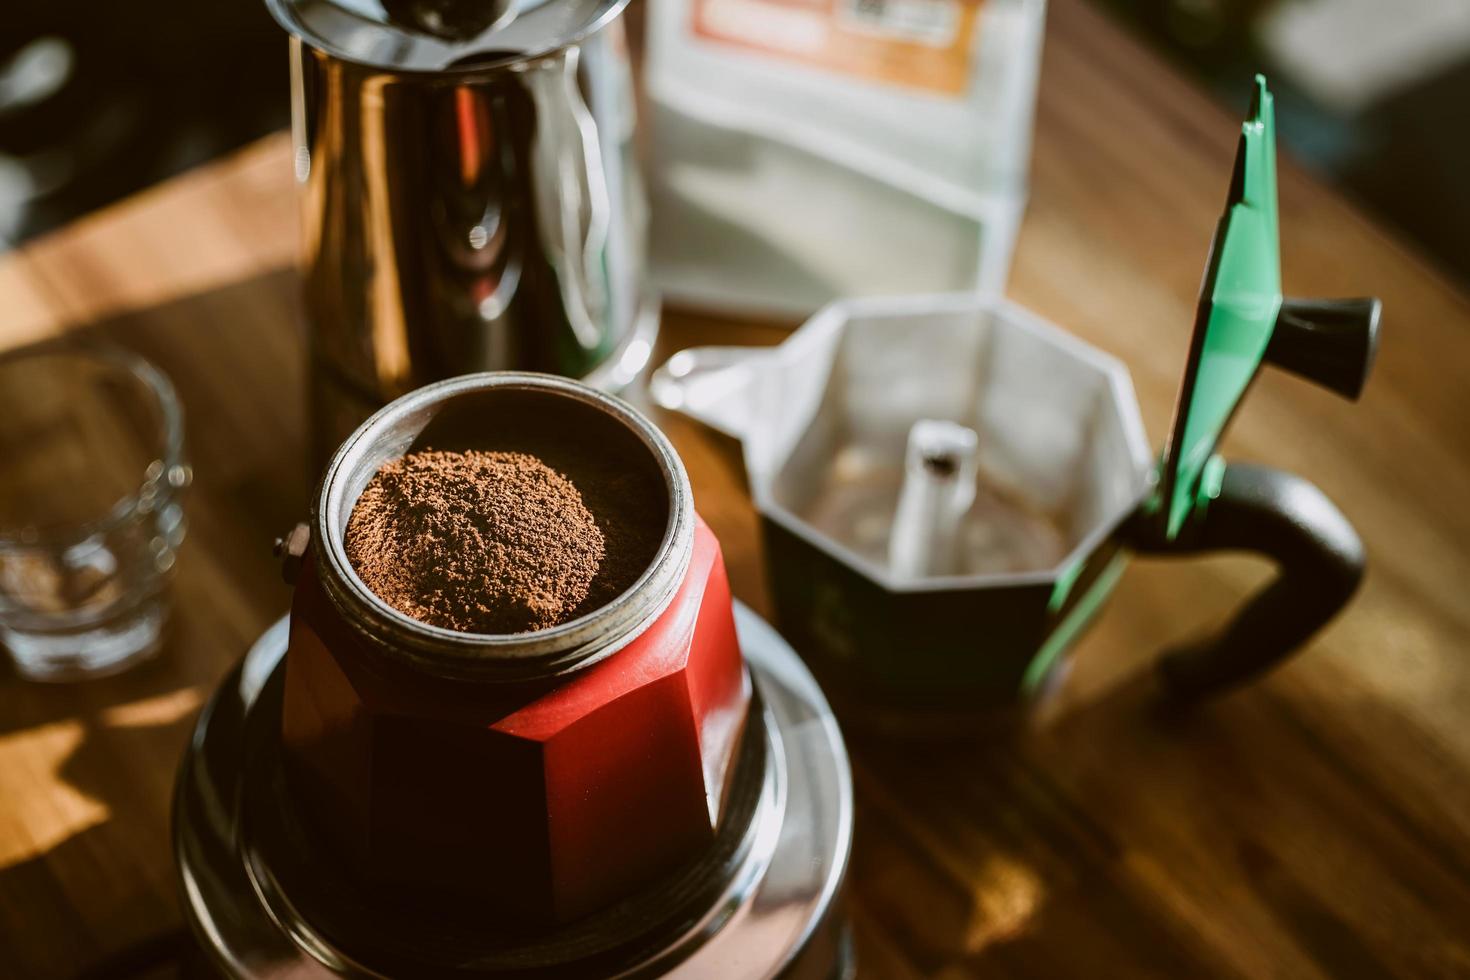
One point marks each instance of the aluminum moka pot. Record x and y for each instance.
(469, 195)
(654, 788)
(949, 485)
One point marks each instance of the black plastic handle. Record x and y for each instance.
(1319, 565)
(1330, 341)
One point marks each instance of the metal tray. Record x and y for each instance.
(764, 902)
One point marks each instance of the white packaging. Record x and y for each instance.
(808, 149)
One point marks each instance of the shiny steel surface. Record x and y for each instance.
(437, 35)
(825, 421)
(778, 915)
(470, 203)
(940, 473)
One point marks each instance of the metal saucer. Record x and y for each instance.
(765, 902)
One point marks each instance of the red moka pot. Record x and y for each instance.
(542, 776)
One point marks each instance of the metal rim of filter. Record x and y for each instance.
(483, 656)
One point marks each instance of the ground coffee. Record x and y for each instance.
(476, 541)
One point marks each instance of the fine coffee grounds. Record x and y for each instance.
(479, 541)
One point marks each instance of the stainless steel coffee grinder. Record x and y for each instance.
(469, 195)
(949, 486)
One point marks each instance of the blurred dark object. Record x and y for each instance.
(1209, 36)
(98, 100)
(1387, 126)
(448, 20)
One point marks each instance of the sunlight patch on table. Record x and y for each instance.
(1008, 894)
(43, 809)
(163, 709)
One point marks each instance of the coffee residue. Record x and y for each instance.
(476, 541)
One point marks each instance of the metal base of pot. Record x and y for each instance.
(765, 902)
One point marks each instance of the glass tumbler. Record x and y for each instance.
(92, 479)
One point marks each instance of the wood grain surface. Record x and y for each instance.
(1316, 824)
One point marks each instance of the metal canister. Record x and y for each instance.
(654, 788)
(469, 194)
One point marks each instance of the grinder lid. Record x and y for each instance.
(1238, 306)
(441, 36)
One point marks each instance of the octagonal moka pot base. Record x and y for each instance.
(949, 485)
(538, 775)
(264, 901)
(598, 797)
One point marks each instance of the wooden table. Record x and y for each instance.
(1317, 824)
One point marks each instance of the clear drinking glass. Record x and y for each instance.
(92, 478)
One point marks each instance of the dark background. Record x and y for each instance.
(100, 99)
(151, 89)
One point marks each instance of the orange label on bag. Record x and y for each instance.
(916, 43)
